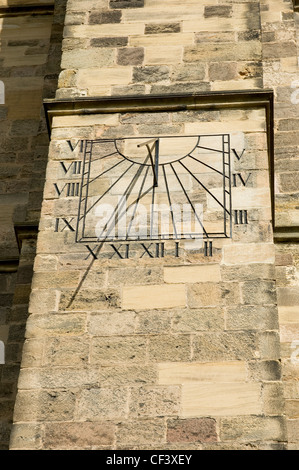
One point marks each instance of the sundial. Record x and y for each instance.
(155, 188)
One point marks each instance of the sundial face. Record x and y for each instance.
(155, 188)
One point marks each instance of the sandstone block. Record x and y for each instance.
(55, 324)
(152, 297)
(114, 323)
(198, 319)
(102, 17)
(66, 351)
(188, 373)
(226, 399)
(273, 399)
(191, 430)
(205, 294)
(81, 435)
(240, 254)
(259, 292)
(87, 299)
(158, 401)
(162, 28)
(222, 11)
(97, 404)
(125, 375)
(154, 322)
(80, 59)
(224, 346)
(141, 431)
(26, 436)
(130, 56)
(43, 301)
(150, 74)
(253, 428)
(45, 405)
(192, 274)
(117, 350)
(164, 348)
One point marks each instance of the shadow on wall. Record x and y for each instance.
(30, 55)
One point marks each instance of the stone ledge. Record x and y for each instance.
(30, 9)
(287, 234)
(296, 5)
(9, 265)
(25, 232)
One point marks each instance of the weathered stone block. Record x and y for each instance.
(252, 318)
(223, 71)
(109, 42)
(228, 345)
(130, 56)
(97, 404)
(114, 323)
(273, 399)
(150, 74)
(205, 294)
(117, 350)
(259, 292)
(26, 436)
(45, 405)
(101, 17)
(126, 3)
(191, 430)
(164, 348)
(141, 431)
(162, 28)
(55, 324)
(66, 351)
(89, 299)
(153, 322)
(198, 319)
(123, 375)
(253, 428)
(158, 401)
(222, 11)
(81, 435)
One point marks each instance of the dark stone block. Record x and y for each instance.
(126, 4)
(105, 17)
(222, 11)
(109, 42)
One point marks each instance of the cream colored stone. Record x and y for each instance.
(247, 125)
(249, 253)
(163, 55)
(172, 39)
(151, 297)
(288, 314)
(192, 274)
(104, 76)
(100, 30)
(165, 12)
(88, 120)
(190, 373)
(225, 399)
